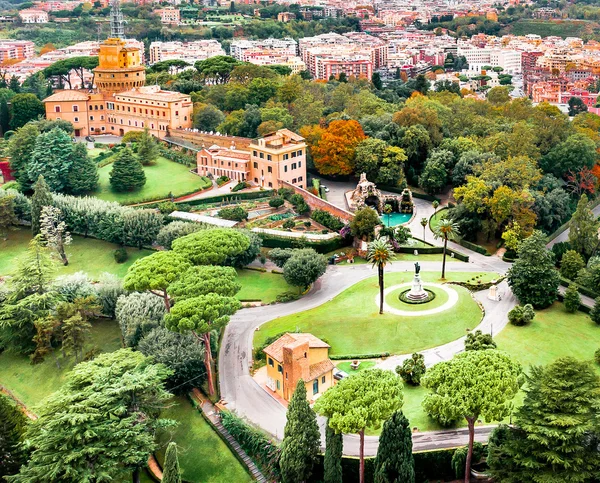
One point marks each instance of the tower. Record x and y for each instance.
(116, 20)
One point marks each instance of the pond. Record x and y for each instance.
(395, 218)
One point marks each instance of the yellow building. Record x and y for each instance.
(299, 356)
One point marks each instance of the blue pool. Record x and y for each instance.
(395, 218)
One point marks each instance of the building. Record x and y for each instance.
(16, 50)
(121, 102)
(285, 16)
(299, 356)
(265, 162)
(168, 15)
(244, 49)
(187, 51)
(31, 15)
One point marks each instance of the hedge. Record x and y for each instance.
(583, 308)
(177, 156)
(432, 250)
(373, 355)
(581, 289)
(326, 246)
(248, 195)
(473, 246)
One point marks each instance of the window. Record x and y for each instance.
(279, 368)
(269, 169)
(293, 154)
(91, 118)
(75, 108)
(75, 119)
(315, 386)
(294, 181)
(285, 156)
(305, 355)
(299, 178)
(56, 108)
(323, 380)
(255, 165)
(254, 153)
(299, 164)
(177, 113)
(271, 362)
(285, 169)
(261, 155)
(270, 184)
(294, 166)
(278, 384)
(268, 157)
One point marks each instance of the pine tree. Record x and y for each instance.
(171, 472)
(41, 197)
(394, 462)
(7, 215)
(52, 158)
(127, 173)
(12, 427)
(572, 299)
(20, 149)
(334, 446)
(4, 116)
(301, 440)
(595, 312)
(83, 175)
(147, 150)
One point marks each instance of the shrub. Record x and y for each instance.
(276, 202)
(478, 341)
(137, 314)
(559, 249)
(521, 315)
(307, 224)
(327, 220)
(120, 255)
(132, 137)
(221, 180)
(240, 186)
(570, 264)
(177, 229)
(289, 224)
(364, 222)
(459, 459)
(109, 290)
(280, 255)
(299, 204)
(572, 299)
(412, 369)
(284, 297)
(11, 185)
(77, 285)
(237, 213)
(167, 207)
(595, 312)
(597, 356)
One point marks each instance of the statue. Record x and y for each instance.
(417, 268)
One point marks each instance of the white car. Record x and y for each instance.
(325, 188)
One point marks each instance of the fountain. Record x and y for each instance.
(417, 293)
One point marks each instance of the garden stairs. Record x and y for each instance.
(212, 413)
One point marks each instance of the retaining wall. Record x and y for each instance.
(317, 203)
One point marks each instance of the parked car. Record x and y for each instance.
(89, 139)
(339, 375)
(325, 188)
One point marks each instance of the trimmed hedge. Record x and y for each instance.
(248, 195)
(326, 246)
(582, 290)
(176, 156)
(433, 251)
(473, 246)
(373, 355)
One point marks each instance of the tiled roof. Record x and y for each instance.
(165, 96)
(320, 368)
(67, 95)
(275, 350)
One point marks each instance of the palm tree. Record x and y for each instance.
(380, 253)
(435, 205)
(424, 225)
(448, 230)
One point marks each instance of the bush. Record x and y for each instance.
(307, 224)
(280, 255)
(300, 205)
(367, 355)
(597, 356)
(559, 249)
(289, 224)
(284, 297)
(248, 195)
(177, 229)
(237, 213)
(77, 285)
(120, 255)
(364, 222)
(595, 312)
(325, 246)
(109, 290)
(412, 369)
(570, 264)
(572, 299)
(240, 186)
(478, 341)
(327, 220)
(132, 137)
(167, 207)
(276, 202)
(459, 459)
(11, 185)
(221, 180)
(521, 315)
(137, 314)
(176, 156)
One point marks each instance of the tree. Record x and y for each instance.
(12, 428)
(499, 95)
(447, 230)
(364, 222)
(25, 108)
(533, 278)
(576, 106)
(176, 229)
(572, 298)
(7, 215)
(304, 268)
(478, 341)
(433, 177)
(20, 150)
(383, 164)
(412, 369)
(147, 149)
(4, 116)
(334, 153)
(595, 312)
(52, 158)
(380, 253)
(359, 402)
(332, 462)
(207, 117)
(54, 231)
(137, 314)
(554, 437)
(376, 80)
(473, 384)
(521, 314)
(573, 154)
(171, 471)
(211, 247)
(424, 222)
(73, 421)
(140, 227)
(200, 316)
(83, 174)
(394, 462)
(301, 439)
(155, 273)
(583, 235)
(203, 280)
(41, 198)
(570, 264)
(217, 69)
(127, 174)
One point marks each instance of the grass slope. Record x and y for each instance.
(162, 177)
(85, 254)
(203, 456)
(350, 322)
(263, 286)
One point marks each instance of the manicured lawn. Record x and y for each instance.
(350, 322)
(88, 255)
(162, 178)
(263, 286)
(401, 257)
(345, 366)
(33, 383)
(203, 456)
(441, 297)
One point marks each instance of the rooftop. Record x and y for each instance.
(68, 95)
(275, 350)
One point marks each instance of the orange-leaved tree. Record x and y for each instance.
(334, 152)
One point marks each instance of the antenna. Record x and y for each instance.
(116, 20)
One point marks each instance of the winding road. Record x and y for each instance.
(243, 395)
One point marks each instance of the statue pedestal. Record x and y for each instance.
(417, 292)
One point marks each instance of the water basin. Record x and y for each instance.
(394, 219)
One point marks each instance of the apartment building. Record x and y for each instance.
(188, 51)
(16, 50)
(244, 50)
(168, 15)
(31, 15)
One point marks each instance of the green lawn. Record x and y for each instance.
(441, 297)
(203, 456)
(85, 254)
(350, 322)
(162, 177)
(345, 366)
(33, 383)
(263, 286)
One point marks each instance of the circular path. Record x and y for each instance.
(451, 302)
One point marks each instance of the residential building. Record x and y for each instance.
(31, 15)
(285, 16)
(188, 51)
(16, 50)
(244, 49)
(296, 356)
(168, 15)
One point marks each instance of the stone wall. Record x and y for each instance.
(199, 138)
(317, 203)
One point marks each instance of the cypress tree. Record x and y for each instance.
(147, 151)
(334, 446)
(127, 173)
(83, 175)
(4, 116)
(41, 197)
(301, 440)
(171, 472)
(394, 462)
